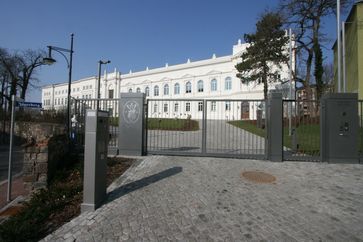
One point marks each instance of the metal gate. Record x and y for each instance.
(224, 128)
(79, 107)
(301, 130)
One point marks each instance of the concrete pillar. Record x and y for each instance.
(339, 128)
(274, 127)
(95, 159)
(132, 124)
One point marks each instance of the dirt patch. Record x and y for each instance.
(258, 177)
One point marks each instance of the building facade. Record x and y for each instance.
(354, 51)
(213, 78)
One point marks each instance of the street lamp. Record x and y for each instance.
(100, 62)
(49, 61)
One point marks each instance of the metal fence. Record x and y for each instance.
(360, 134)
(79, 107)
(301, 130)
(228, 128)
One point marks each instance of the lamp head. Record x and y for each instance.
(48, 60)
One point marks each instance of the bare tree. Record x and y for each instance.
(19, 70)
(305, 17)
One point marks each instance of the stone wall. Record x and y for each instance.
(47, 147)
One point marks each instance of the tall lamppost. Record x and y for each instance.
(49, 61)
(100, 62)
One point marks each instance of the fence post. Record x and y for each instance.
(274, 127)
(339, 128)
(131, 124)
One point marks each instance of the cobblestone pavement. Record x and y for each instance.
(207, 199)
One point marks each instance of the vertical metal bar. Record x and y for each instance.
(343, 56)
(339, 46)
(11, 148)
(204, 130)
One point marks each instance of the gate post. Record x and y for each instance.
(339, 128)
(131, 124)
(274, 127)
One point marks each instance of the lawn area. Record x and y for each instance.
(249, 126)
(172, 124)
(307, 135)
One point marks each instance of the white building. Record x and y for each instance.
(213, 78)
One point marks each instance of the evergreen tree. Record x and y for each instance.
(319, 70)
(265, 53)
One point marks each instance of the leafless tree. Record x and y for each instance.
(305, 18)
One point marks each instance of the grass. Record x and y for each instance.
(172, 124)
(307, 135)
(249, 126)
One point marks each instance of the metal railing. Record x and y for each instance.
(301, 130)
(228, 128)
(79, 107)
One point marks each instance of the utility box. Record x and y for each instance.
(339, 128)
(132, 124)
(95, 159)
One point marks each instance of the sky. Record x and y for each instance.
(133, 34)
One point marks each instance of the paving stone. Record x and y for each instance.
(206, 199)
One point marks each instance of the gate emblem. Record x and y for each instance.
(131, 112)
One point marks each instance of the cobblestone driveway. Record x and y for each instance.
(206, 199)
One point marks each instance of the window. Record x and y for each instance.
(213, 85)
(228, 83)
(200, 106)
(130, 90)
(62, 101)
(155, 108)
(176, 107)
(213, 106)
(156, 91)
(176, 88)
(147, 91)
(165, 107)
(110, 93)
(228, 106)
(200, 86)
(166, 89)
(77, 89)
(138, 90)
(90, 86)
(74, 89)
(188, 88)
(187, 107)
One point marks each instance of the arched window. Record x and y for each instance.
(200, 86)
(166, 89)
(228, 83)
(188, 87)
(156, 91)
(176, 88)
(130, 90)
(138, 90)
(213, 85)
(147, 91)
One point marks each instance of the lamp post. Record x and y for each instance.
(100, 62)
(49, 61)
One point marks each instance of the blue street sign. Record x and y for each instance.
(30, 105)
